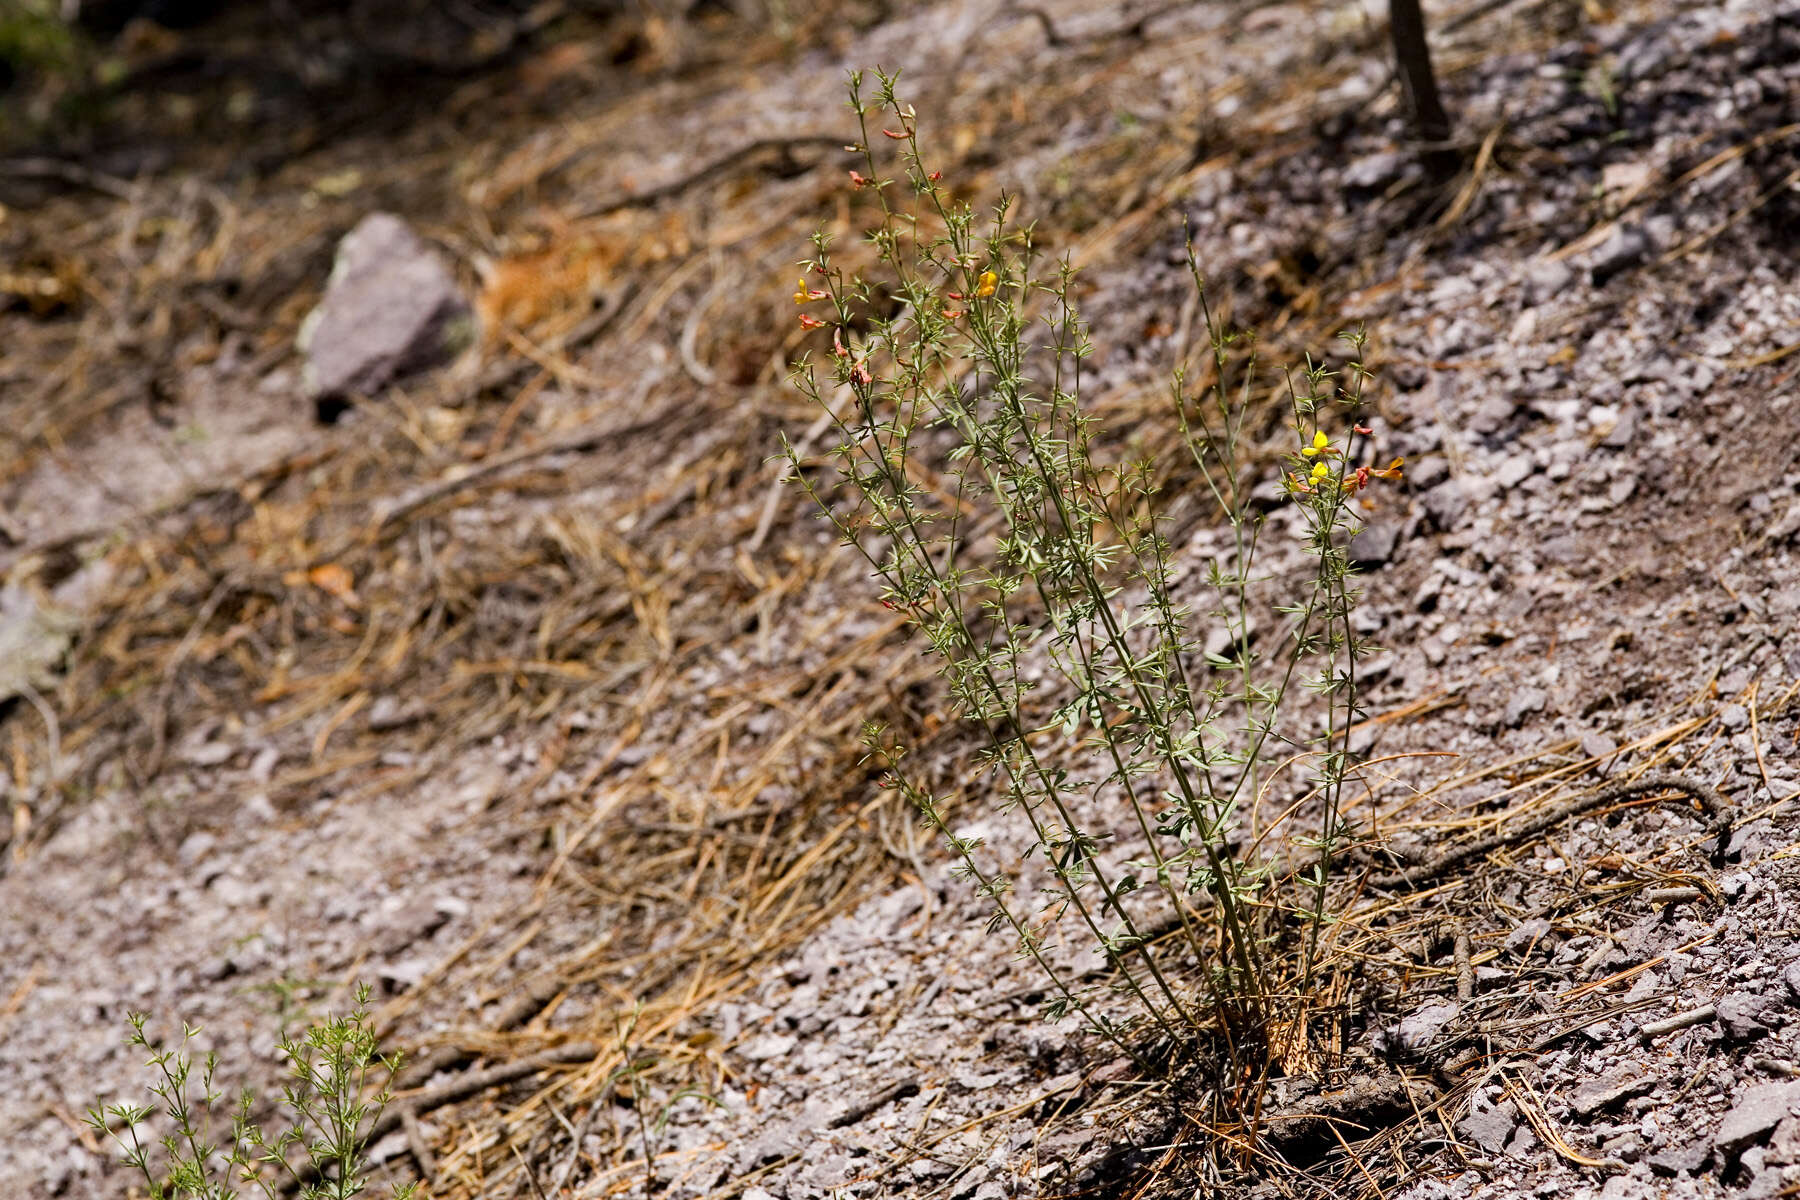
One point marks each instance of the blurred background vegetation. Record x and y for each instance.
(79, 77)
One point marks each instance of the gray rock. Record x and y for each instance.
(1621, 1187)
(1373, 172)
(1766, 1183)
(1684, 1159)
(769, 1045)
(195, 847)
(1734, 718)
(1784, 1143)
(1544, 281)
(1524, 1141)
(1447, 505)
(1428, 473)
(1623, 250)
(1756, 1113)
(1742, 1016)
(1515, 470)
(1791, 977)
(412, 922)
(1526, 933)
(403, 976)
(1597, 745)
(1623, 431)
(1596, 1095)
(1627, 1147)
(33, 637)
(1738, 883)
(767, 1147)
(1491, 415)
(390, 712)
(1785, 526)
(390, 308)
(1524, 703)
(1415, 1032)
(1374, 544)
(1490, 1128)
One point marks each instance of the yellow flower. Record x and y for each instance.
(1320, 471)
(986, 284)
(801, 293)
(1320, 444)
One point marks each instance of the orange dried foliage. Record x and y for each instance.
(567, 272)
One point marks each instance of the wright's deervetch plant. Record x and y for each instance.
(321, 1155)
(1042, 574)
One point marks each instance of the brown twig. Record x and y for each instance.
(583, 439)
(898, 1090)
(1710, 801)
(718, 166)
(1465, 969)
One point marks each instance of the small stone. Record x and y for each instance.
(1447, 505)
(769, 1045)
(1620, 1187)
(1417, 1031)
(389, 713)
(1785, 526)
(1374, 544)
(1622, 432)
(1524, 703)
(1430, 471)
(1790, 976)
(33, 638)
(767, 1147)
(1526, 933)
(1491, 1128)
(195, 847)
(1741, 1016)
(1746, 844)
(413, 922)
(1515, 470)
(1545, 281)
(1734, 718)
(1491, 415)
(402, 976)
(1627, 1147)
(390, 308)
(1596, 1095)
(1373, 172)
(208, 754)
(1619, 253)
(451, 907)
(1757, 1112)
(1784, 1143)
(1598, 745)
(1684, 1159)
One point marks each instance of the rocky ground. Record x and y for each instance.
(526, 693)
